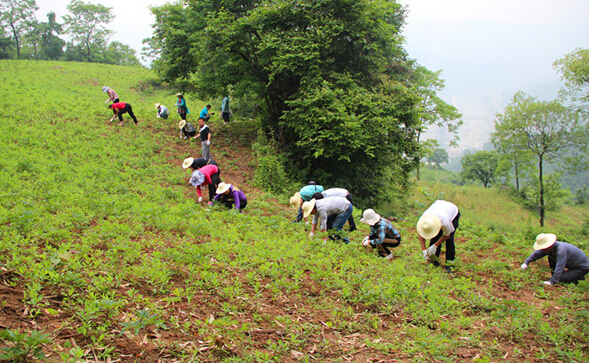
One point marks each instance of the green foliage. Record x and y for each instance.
(15, 15)
(574, 70)
(270, 171)
(481, 166)
(22, 346)
(438, 157)
(328, 77)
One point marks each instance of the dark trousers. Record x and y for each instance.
(337, 221)
(568, 276)
(129, 110)
(230, 203)
(450, 248)
(182, 115)
(384, 247)
(225, 116)
(215, 180)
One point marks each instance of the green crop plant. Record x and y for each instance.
(22, 346)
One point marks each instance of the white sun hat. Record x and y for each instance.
(105, 88)
(429, 225)
(182, 123)
(156, 105)
(187, 162)
(544, 240)
(295, 200)
(308, 207)
(370, 217)
(222, 188)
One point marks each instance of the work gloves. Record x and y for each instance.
(431, 251)
(524, 266)
(200, 199)
(366, 242)
(547, 283)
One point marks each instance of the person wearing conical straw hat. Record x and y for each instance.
(561, 256)
(322, 209)
(230, 196)
(186, 130)
(181, 106)
(438, 224)
(162, 111)
(198, 163)
(382, 234)
(305, 194)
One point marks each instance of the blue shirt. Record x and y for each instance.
(382, 229)
(307, 191)
(204, 112)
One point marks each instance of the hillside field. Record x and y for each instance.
(105, 255)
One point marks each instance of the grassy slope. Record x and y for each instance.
(103, 247)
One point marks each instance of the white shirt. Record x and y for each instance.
(446, 211)
(335, 192)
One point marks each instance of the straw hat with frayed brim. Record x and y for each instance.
(187, 163)
(295, 200)
(544, 240)
(182, 123)
(429, 225)
(223, 187)
(308, 207)
(179, 94)
(156, 105)
(370, 217)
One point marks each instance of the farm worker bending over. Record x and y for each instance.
(186, 130)
(439, 223)
(205, 138)
(162, 111)
(323, 208)
(561, 255)
(304, 195)
(205, 114)
(119, 109)
(181, 106)
(203, 177)
(382, 234)
(338, 192)
(230, 196)
(198, 163)
(112, 95)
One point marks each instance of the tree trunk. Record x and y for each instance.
(516, 169)
(16, 40)
(418, 154)
(542, 211)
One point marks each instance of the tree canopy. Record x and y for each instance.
(330, 77)
(481, 166)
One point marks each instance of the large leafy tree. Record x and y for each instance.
(17, 15)
(548, 130)
(437, 157)
(328, 75)
(86, 25)
(481, 166)
(433, 110)
(574, 70)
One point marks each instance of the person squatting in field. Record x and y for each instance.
(561, 256)
(207, 175)
(322, 209)
(119, 109)
(205, 114)
(162, 111)
(230, 196)
(181, 106)
(305, 194)
(186, 130)
(382, 234)
(338, 192)
(438, 223)
(112, 95)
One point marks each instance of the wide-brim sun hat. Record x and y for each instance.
(295, 200)
(156, 105)
(179, 94)
(187, 162)
(308, 207)
(197, 178)
(182, 123)
(544, 240)
(370, 217)
(223, 187)
(105, 88)
(429, 225)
